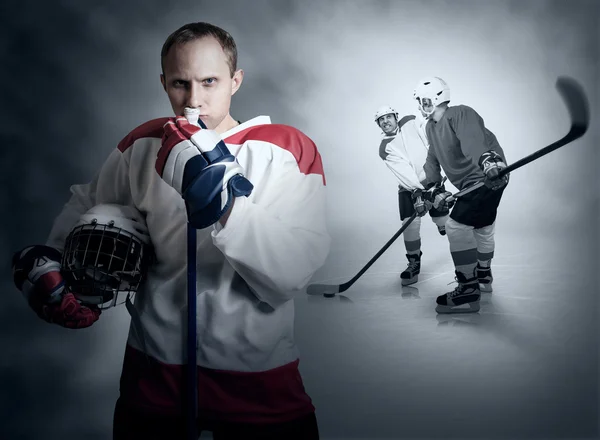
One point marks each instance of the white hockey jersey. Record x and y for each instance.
(247, 274)
(405, 153)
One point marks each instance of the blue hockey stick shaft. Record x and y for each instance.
(192, 376)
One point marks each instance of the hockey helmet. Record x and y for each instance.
(385, 110)
(106, 255)
(431, 91)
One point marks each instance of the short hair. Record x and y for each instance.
(196, 31)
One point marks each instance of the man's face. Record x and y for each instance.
(388, 123)
(426, 108)
(197, 75)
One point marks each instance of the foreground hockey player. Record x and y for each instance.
(468, 153)
(403, 148)
(258, 202)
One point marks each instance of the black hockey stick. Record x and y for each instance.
(329, 291)
(577, 105)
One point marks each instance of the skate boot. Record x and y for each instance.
(411, 273)
(442, 230)
(463, 299)
(484, 275)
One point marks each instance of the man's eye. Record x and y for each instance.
(210, 81)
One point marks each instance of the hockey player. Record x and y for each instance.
(404, 149)
(255, 192)
(468, 152)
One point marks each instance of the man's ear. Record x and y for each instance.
(163, 82)
(236, 81)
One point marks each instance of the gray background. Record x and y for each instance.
(77, 76)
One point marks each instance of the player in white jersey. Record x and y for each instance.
(255, 192)
(403, 148)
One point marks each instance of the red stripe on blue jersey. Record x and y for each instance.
(272, 396)
(150, 129)
(288, 138)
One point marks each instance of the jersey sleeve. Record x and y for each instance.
(401, 166)
(109, 185)
(470, 131)
(276, 242)
(432, 168)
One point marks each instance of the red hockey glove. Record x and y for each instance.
(491, 163)
(36, 273)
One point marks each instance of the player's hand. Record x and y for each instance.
(421, 205)
(491, 164)
(440, 199)
(198, 165)
(36, 272)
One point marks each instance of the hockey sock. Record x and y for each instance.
(485, 263)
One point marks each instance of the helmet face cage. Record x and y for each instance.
(425, 102)
(431, 92)
(102, 264)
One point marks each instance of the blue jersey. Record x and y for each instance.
(456, 142)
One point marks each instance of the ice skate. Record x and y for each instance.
(463, 299)
(484, 275)
(411, 273)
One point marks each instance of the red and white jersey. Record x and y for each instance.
(247, 273)
(405, 153)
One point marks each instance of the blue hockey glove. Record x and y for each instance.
(198, 165)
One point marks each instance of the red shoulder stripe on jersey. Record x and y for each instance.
(405, 119)
(288, 138)
(150, 129)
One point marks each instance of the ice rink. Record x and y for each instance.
(380, 363)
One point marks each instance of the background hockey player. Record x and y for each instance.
(255, 192)
(468, 153)
(404, 150)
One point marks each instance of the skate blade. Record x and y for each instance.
(464, 308)
(408, 282)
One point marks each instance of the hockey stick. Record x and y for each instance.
(192, 375)
(577, 105)
(329, 291)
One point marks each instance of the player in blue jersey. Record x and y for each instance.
(467, 152)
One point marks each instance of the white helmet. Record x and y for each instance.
(433, 89)
(385, 110)
(106, 255)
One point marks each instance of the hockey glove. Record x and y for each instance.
(421, 205)
(36, 273)
(198, 165)
(440, 198)
(491, 163)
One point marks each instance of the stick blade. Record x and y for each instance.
(323, 289)
(576, 101)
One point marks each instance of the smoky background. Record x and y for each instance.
(78, 76)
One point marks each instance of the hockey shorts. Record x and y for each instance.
(477, 208)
